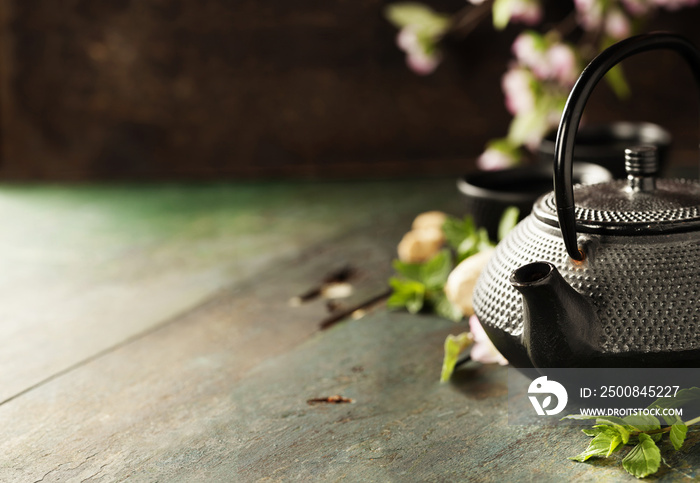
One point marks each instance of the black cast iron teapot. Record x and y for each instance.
(612, 280)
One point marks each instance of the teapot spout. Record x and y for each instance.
(560, 327)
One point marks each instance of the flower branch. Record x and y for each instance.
(544, 66)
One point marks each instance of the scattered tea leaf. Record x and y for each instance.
(335, 399)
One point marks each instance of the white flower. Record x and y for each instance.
(462, 280)
(483, 349)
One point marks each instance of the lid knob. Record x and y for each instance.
(641, 164)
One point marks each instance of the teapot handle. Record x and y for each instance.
(591, 75)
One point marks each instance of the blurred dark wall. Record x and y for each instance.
(216, 89)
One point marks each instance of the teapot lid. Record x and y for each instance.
(641, 204)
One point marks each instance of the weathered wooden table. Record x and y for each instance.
(147, 335)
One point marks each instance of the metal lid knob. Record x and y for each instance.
(641, 165)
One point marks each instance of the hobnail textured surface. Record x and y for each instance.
(674, 201)
(645, 290)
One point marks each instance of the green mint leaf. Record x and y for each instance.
(454, 346)
(412, 271)
(509, 219)
(685, 396)
(644, 459)
(484, 242)
(435, 271)
(671, 419)
(606, 442)
(415, 305)
(444, 308)
(624, 433)
(457, 231)
(641, 422)
(407, 294)
(682, 397)
(623, 430)
(592, 432)
(468, 247)
(677, 435)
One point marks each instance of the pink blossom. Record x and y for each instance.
(517, 85)
(617, 25)
(562, 64)
(636, 8)
(417, 58)
(555, 62)
(590, 13)
(483, 349)
(494, 159)
(675, 4)
(476, 2)
(528, 49)
(528, 12)
(422, 63)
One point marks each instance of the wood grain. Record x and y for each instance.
(214, 385)
(213, 89)
(86, 268)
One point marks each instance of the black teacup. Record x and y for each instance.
(489, 193)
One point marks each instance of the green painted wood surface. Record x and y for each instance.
(147, 335)
(85, 268)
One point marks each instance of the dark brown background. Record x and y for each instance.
(215, 89)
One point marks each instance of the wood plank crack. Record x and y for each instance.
(96, 473)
